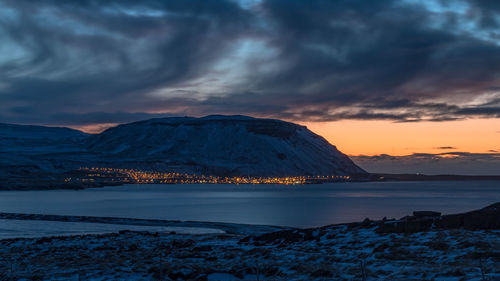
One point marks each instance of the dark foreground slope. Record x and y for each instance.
(212, 145)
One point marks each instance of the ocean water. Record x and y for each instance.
(292, 205)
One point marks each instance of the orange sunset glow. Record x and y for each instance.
(386, 137)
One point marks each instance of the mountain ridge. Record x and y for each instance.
(234, 145)
(211, 145)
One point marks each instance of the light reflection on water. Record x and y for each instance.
(300, 205)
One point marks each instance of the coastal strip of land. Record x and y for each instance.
(229, 228)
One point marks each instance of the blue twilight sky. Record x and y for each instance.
(90, 63)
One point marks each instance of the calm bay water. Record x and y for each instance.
(298, 205)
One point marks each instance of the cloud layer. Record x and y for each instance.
(90, 62)
(455, 163)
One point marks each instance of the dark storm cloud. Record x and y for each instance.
(98, 117)
(82, 62)
(488, 12)
(380, 56)
(487, 111)
(85, 56)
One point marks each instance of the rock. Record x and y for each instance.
(182, 243)
(380, 248)
(451, 221)
(322, 273)
(406, 226)
(204, 248)
(283, 237)
(420, 214)
(486, 218)
(366, 222)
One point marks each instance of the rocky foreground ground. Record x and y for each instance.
(407, 249)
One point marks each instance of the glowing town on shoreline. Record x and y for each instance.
(150, 177)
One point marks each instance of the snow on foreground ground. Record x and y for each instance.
(36, 229)
(327, 253)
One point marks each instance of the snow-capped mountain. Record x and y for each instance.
(235, 145)
(219, 145)
(27, 138)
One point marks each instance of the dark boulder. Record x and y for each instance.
(284, 237)
(486, 218)
(408, 225)
(451, 221)
(420, 214)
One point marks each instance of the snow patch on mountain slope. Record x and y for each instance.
(221, 145)
(228, 144)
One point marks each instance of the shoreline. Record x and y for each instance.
(374, 178)
(229, 228)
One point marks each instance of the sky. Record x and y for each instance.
(402, 78)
